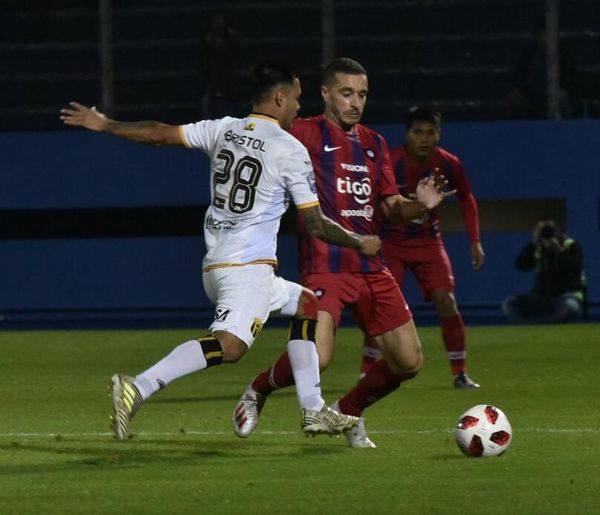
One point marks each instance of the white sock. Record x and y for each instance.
(305, 365)
(182, 360)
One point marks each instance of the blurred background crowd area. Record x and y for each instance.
(182, 60)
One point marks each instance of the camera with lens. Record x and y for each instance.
(547, 231)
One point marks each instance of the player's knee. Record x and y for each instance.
(416, 364)
(406, 364)
(233, 352)
(307, 304)
(445, 303)
(232, 347)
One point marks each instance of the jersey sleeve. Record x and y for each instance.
(306, 132)
(299, 177)
(202, 135)
(459, 180)
(468, 204)
(388, 178)
(470, 214)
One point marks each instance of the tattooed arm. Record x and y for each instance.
(329, 231)
(149, 132)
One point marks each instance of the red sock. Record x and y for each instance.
(371, 354)
(374, 386)
(278, 376)
(453, 334)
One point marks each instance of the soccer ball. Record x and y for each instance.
(483, 430)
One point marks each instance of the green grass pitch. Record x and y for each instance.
(58, 456)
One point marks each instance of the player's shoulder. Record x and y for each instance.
(266, 130)
(226, 120)
(371, 137)
(308, 131)
(220, 122)
(287, 137)
(204, 133)
(399, 153)
(365, 132)
(359, 127)
(216, 124)
(286, 144)
(306, 126)
(445, 155)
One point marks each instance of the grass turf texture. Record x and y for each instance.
(57, 455)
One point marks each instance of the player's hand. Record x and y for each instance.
(430, 190)
(79, 115)
(370, 245)
(439, 179)
(477, 255)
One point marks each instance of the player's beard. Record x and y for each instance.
(351, 118)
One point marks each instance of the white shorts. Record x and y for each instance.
(245, 296)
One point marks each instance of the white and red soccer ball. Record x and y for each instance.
(483, 430)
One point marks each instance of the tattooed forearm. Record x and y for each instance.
(149, 132)
(401, 209)
(115, 126)
(327, 230)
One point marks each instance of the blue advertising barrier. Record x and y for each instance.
(133, 278)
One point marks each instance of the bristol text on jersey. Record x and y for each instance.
(243, 140)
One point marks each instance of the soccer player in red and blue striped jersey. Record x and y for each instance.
(417, 245)
(354, 178)
(353, 174)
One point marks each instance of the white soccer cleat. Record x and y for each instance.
(246, 413)
(126, 401)
(357, 436)
(326, 422)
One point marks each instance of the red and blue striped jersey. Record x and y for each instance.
(408, 174)
(353, 173)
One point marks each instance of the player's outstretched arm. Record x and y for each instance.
(329, 231)
(429, 194)
(149, 132)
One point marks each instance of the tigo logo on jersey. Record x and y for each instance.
(361, 190)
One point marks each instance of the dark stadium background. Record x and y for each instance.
(94, 230)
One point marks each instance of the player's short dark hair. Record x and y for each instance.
(423, 114)
(266, 76)
(342, 65)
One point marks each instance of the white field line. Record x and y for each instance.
(283, 433)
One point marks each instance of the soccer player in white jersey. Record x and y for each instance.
(255, 167)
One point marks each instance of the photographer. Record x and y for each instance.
(558, 292)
